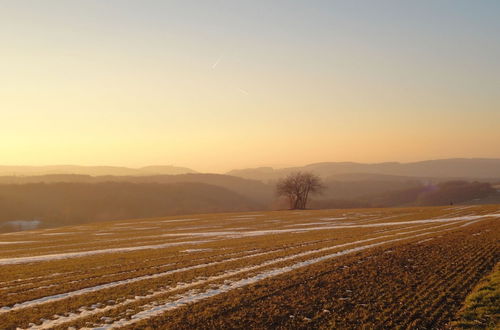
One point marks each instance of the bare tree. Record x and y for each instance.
(297, 187)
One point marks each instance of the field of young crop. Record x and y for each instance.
(378, 268)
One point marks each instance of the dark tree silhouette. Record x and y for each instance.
(297, 187)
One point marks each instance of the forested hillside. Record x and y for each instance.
(56, 204)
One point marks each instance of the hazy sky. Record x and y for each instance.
(215, 85)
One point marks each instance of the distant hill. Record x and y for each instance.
(253, 189)
(91, 170)
(355, 189)
(356, 177)
(444, 193)
(456, 168)
(459, 168)
(25, 206)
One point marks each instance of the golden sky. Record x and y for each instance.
(229, 84)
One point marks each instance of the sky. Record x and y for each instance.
(216, 85)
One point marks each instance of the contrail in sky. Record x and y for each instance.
(243, 91)
(216, 62)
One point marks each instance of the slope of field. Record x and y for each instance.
(321, 269)
(482, 306)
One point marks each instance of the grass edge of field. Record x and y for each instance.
(481, 309)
